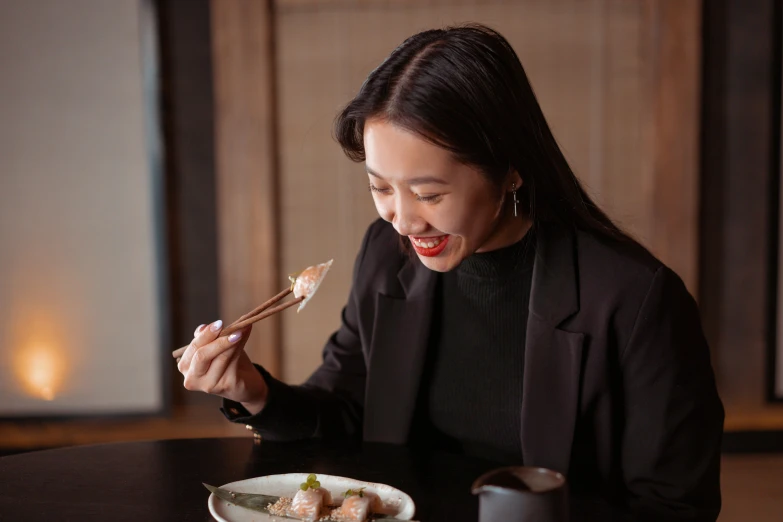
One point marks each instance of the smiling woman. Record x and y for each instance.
(524, 326)
(448, 210)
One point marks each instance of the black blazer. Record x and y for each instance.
(618, 389)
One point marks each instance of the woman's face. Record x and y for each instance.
(447, 209)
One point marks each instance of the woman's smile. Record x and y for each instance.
(429, 246)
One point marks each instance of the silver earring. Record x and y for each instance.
(514, 194)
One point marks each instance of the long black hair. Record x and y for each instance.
(464, 89)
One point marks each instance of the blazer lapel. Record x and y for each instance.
(399, 343)
(553, 357)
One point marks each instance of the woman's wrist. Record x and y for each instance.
(257, 396)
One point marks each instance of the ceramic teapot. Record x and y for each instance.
(522, 494)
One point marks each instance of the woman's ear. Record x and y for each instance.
(514, 180)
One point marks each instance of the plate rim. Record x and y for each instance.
(212, 500)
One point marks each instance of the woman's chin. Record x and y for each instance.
(438, 264)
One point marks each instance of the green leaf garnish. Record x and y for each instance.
(359, 492)
(312, 482)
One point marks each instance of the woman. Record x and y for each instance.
(495, 309)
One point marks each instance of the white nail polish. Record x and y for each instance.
(217, 325)
(234, 337)
(198, 330)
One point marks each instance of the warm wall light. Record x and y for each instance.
(81, 314)
(40, 369)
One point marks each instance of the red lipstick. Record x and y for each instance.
(421, 245)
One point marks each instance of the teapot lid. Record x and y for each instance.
(519, 478)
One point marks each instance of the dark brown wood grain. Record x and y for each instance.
(187, 119)
(738, 167)
(673, 43)
(162, 480)
(245, 143)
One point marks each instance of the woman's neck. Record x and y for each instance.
(510, 230)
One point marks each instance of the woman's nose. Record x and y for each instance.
(404, 228)
(400, 214)
(406, 221)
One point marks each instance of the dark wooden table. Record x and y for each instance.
(161, 480)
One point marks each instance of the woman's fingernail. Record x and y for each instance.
(198, 330)
(217, 325)
(234, 337)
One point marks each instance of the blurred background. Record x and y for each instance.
(165, 163)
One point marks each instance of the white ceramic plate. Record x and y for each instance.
(399, 504)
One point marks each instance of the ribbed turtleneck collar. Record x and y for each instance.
(501, 263)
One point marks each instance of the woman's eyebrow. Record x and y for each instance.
(421, 180)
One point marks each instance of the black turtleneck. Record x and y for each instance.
(472, 387)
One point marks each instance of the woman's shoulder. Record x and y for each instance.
(623, 267)
(625, 255)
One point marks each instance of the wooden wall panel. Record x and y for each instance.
(672, 38)
(245, 167)
(738, 164)
(617, 80)
(186, 71)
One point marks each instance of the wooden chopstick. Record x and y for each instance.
(263, 315)
(263, 306)
(260, 312)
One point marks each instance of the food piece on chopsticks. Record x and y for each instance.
(357, 506)
(307, 282)
(303, 286)
(309, 502)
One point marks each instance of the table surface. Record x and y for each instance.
(161, 480)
